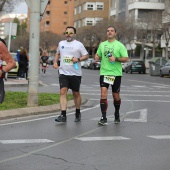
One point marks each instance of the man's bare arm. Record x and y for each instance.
(5, 56)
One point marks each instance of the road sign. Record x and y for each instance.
(13, 29)
(43, 6)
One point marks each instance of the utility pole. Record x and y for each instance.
(34, 52)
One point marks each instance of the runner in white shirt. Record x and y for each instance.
(70, 52)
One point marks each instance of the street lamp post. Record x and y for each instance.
(34, 53)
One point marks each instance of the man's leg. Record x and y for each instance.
(116, 97)
(77, 101)
(103, 105)
(63, 105)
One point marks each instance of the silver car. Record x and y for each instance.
(165, 70)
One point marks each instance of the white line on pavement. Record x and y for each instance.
(32, 120)
(102, 138)
(160, 137)
(19, 141)
(162, 101)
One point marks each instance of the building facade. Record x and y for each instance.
(122, 9)
(58, 15)
(90, 12)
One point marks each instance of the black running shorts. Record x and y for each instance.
(115, 86)
(71, 82)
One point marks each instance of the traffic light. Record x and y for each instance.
(14, 37)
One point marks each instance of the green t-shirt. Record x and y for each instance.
(118, 50)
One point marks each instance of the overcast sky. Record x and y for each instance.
(21, 8)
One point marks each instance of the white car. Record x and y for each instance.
(123, 66)
(87, 62)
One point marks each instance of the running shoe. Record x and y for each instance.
(77, 117)
(117, 119)
(61, 118)
(102, 121)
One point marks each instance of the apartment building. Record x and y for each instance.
(58, 15)
(90, 12)
(122, 9)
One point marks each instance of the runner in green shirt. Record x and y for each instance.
(111, 53)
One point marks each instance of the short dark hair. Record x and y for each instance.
(72, 28)
(112, 27)
(2, 40)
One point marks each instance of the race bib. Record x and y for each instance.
(109, 79)
(44, 64)
(67, 60)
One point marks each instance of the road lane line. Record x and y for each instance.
(49, 117)
(124, 100)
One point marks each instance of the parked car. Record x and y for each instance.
(82, 64)
(87, 62)
(94, 65)
(135, 66)
(14, 71)
(165, 70)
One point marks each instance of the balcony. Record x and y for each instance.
(146, 4)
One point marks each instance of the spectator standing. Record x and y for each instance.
(23, 64)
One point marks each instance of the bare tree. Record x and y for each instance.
(166, 30)
(7, 6)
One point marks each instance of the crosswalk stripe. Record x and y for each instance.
(102, 138)
(160, 137)
(19, 141)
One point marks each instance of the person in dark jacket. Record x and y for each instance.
(23, 63)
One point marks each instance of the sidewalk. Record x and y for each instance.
(15, 82)
(21, 112)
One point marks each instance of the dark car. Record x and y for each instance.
(165, 70)
(94, 65)
(135, 66)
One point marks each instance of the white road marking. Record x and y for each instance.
(49, 117)
(19, 141)
(162, 101)
(55, 84)
(160, 137)
(142, 95)
(142, 117)
(102, 138)
(150, 83)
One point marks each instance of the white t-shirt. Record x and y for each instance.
(67, 51)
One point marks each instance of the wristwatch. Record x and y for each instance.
(78, 59)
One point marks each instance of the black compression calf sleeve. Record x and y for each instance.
(103, 105)
(117, 104)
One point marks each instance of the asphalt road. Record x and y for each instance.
(140, 142)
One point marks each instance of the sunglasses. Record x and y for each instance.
(69, 33)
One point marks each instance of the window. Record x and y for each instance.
(90, 6)
(89, 23)
(48, 12)
(65, 12)
(65, 2)
(99, 7)
(65, 23)
(47, 23)
(49, 2)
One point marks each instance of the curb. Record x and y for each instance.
(22, 112)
